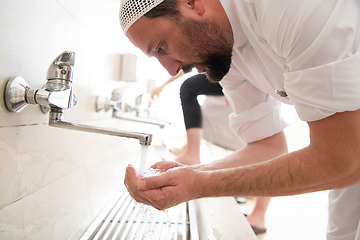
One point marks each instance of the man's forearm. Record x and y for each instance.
(299, 172)
(275, 177)
(331, 161)
(252, 153)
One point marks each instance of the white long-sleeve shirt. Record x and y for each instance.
(306, 48)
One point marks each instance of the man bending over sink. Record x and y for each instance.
(304, 53)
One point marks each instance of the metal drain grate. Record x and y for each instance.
(125, 219)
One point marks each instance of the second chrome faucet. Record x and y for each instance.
(121, 109)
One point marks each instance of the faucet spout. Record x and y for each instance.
(56, 120)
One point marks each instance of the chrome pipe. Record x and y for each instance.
(56, 120)
(156, 122)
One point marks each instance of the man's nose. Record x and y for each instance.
(171, 65)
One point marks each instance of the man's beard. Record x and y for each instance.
(209, 45)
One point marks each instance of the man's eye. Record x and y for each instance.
(160, 49)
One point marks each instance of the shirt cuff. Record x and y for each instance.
(262, 121)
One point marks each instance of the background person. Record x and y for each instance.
(190, 89)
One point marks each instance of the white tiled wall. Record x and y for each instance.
(53, 182)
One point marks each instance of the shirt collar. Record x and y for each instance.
(239, 36)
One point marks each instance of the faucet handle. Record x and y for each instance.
(57, 92)
(62, 67)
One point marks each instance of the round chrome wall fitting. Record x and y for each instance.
(103, 103)
(15, 92)
(99, 104)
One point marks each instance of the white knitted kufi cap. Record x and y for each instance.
(132, 10)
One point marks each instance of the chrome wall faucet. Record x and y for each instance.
(119, 107)
(57, 95)
(57, 92)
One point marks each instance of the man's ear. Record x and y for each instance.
(197, 5)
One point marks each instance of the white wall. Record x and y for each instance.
(54, 182)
